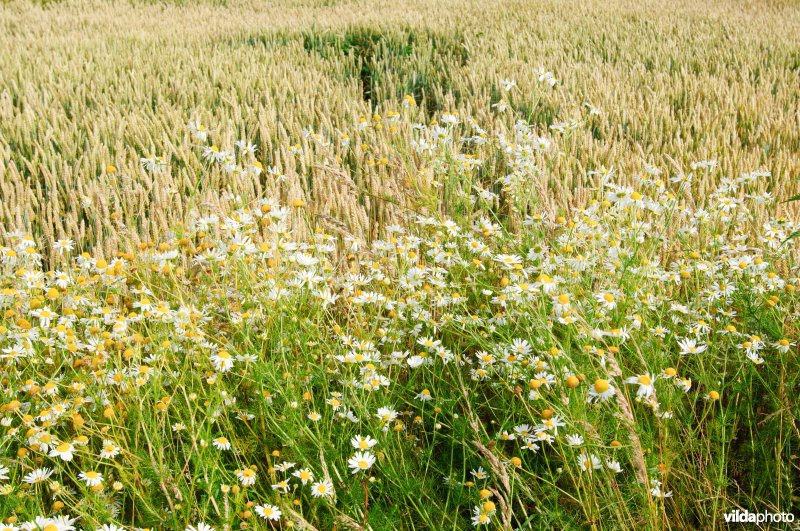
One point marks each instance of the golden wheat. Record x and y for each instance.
(86, 85)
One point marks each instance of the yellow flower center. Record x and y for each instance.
(601, 386)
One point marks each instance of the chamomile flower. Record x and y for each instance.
(691, 346)
(64, 451)
(363, 443)
(57, 523)
(685, 384)
(109, 450)
(508, 84)
(38, 475)
(424, 395)
(645, 382)
(589, 462)
(361, 462)
(508, 261)
(481, 517)
(92, 478)
(304, 475)
(574, 439)
(657, 491)
(284, 466)
(64, 246)
(606, 300)
(282, 486)
(322, 489)
(386, 414)
(480, 473)
(268, 512)
(783, 345)
(222, 361)
(221, 443)
(601, 390)
(247, 476)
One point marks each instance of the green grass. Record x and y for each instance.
(727, 441)
(414, 242)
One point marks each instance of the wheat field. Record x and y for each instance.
(325, 264)
(87, 85)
